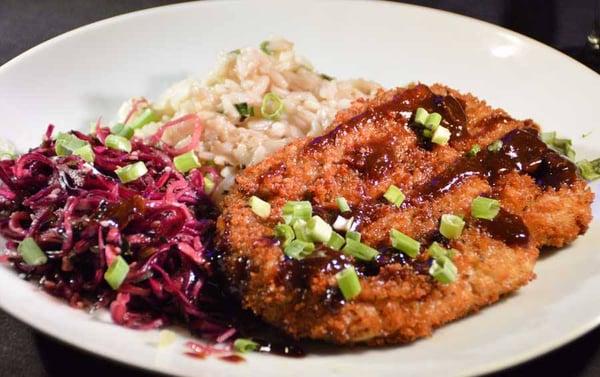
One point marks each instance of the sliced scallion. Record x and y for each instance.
(122, 130)
(444, 272)
(272, 106)
(548, 137)
(131, 172)
(439, 252)
(451, 226)
(116, 273)
(433, 121)
(264, 47)
(348, 283)
(495, 146)
(244, 110)
(298, 249)
(85, 152)
(356, 236)
(343, 224)
(147, 116)
(293, 210)
(441, 136)
(589, 170)
(186, 162)
(118, 142)
(421, 116)
(474, 150)
(260, 208)
(394, 195)
(209, 185)
(359, 250)
(285, 233)
(31, 253)
(318, 229)
(66, 144)
(301, 230)
(336, 242)
(243, 345)
(342, 204)
(404, 243)
(485, 208)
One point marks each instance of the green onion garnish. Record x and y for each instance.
(548, 137)
(439, 252)
(359, 250)
(562, 146)
(66, 144)
(85, 152)
(394, 195)
(300, 227)
(299, 249)
(318, 229)
(343, 224)
(272, 106)
(451, 226)
(237, 51)
(348, 282)
(260, 208)
(293, 210)
(131, 172)
(244, 110)
(264, 47)
(245, 345)
(421, 116)
(441, 136)
(118, 142)
(474, 150)
(147, 116)
(433, 121)
(495, 146)
(186, 162)
(342, 204)
(336, 242)
(353, 235)
(404, 243)
(209, 185)
(589, 170)
(7, 155)
(443, 271)
(116, 272)
(285, 233)
(31, 253)
(485, 208)
(122, 130)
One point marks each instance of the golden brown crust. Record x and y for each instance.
(400, 303)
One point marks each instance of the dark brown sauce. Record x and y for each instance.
(522, 151)
(506, 227)
(489, 123)
(297, 274)
(232, 359)
(123, 212)
(374, 160)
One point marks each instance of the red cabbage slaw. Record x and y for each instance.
(83, 217)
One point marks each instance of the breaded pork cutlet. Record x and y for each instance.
(369, 147)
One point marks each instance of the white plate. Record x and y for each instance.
(88, 72)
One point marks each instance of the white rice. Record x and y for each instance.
(310, 99)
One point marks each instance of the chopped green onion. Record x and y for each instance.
(427, 133)
(336, 242)
(259, 207)
(285, 233)
(7, 155)
(342, 204)
(353, 235)
(318, 229)
(474, 150)
(439, 252)
(301, 230)
(131, 172)
(495, 146)
(244, 110)
(441, 136)
(485, 208)
(348, 282)
(326, 77)
(404, 243)
(209, 185)
(589, 170)
(85, 152)
(343, 224)
(272, 106)
(451, 226)
(444, 271)
(66, 144)
(433, 121)
(299, 249)
(31, 252)
(421, 116)
(293, 210)
(116, 273)
(186, 162)
(394, 195)
(562, 146)
(245, 345)
(548, 137)
(359, 250)
(147, 116)
(118, 142)
(122, 130)
(237, 51)
(264, 47)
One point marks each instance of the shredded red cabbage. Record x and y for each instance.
(82, 217)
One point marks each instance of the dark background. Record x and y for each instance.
(26, 23)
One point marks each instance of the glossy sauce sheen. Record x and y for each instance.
(373, 160)
(506, 227)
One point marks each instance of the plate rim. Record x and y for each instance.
(488, 368)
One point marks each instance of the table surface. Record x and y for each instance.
(26, 23)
